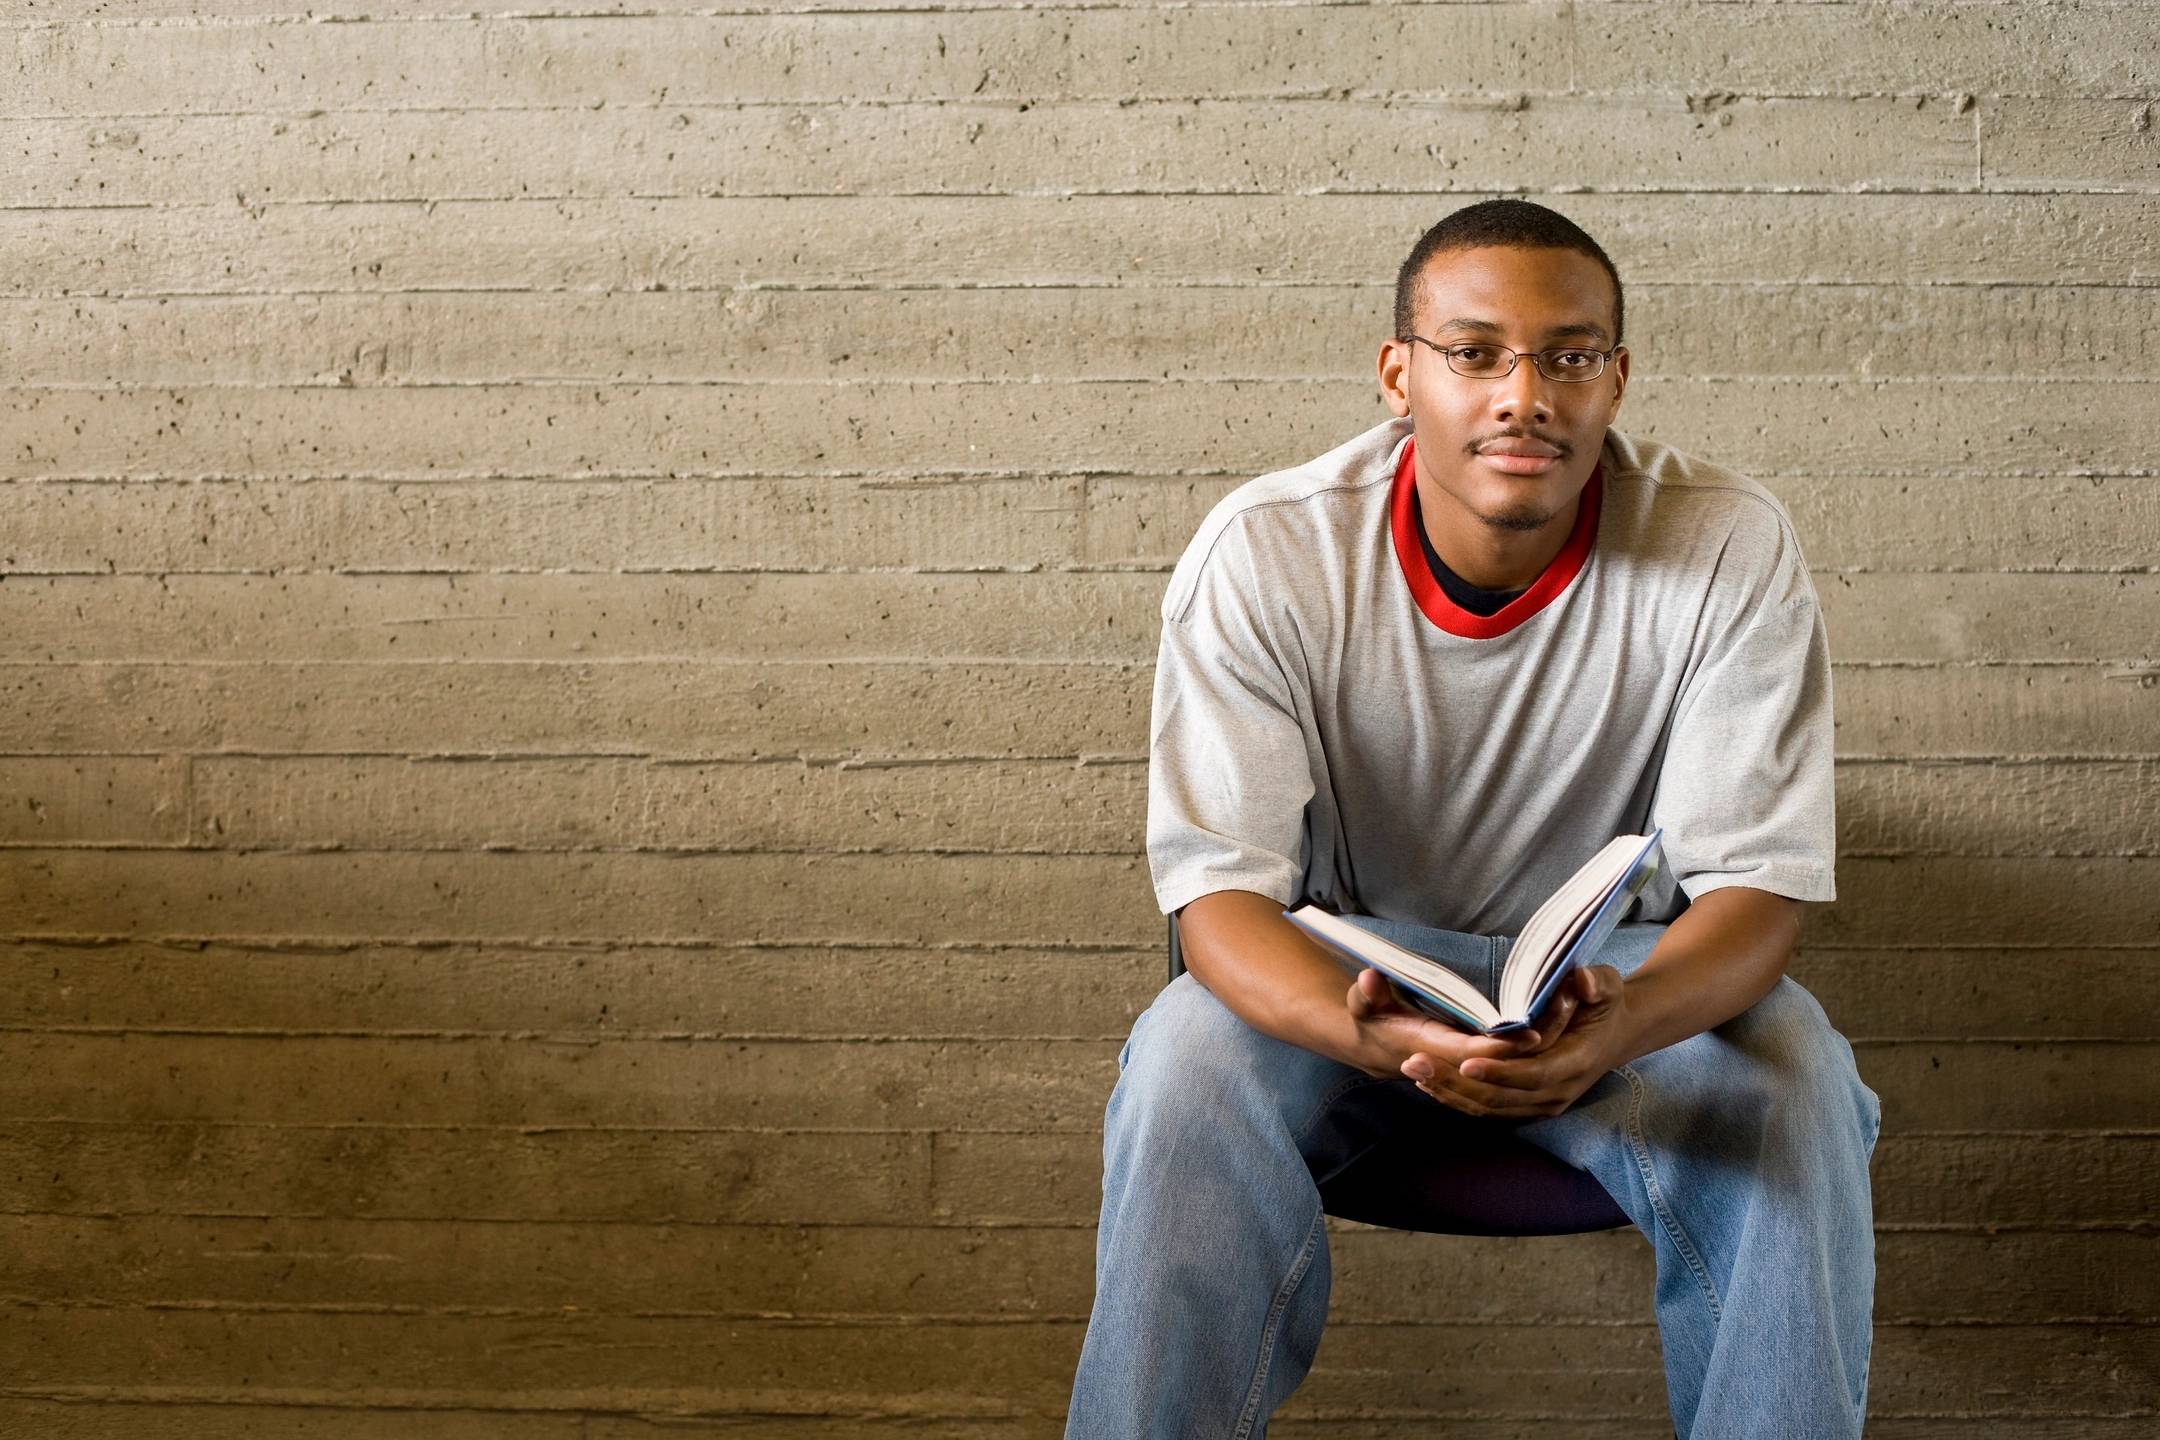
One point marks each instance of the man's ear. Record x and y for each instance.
(1394, 386)
(1620, 375)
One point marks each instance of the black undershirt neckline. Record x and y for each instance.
(1475, 599)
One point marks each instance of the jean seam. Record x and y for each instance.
(1639, 1144)
(1867, 1356)
(1283, 1292)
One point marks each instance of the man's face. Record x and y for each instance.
(1526, 300)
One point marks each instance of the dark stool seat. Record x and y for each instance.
(1491, 1182)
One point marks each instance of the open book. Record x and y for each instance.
(1565, 932)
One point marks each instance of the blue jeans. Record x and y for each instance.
(1742, 1153)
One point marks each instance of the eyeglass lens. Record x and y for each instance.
(1485, 361)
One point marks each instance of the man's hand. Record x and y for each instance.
(1396, 1038)
(1538, 1072)
(1724, 953)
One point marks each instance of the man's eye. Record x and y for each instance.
(1472, 354)
(1576, 359)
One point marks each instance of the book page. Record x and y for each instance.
(1544, 940)
(1413, 971)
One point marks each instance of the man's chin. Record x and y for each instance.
(1517, 518)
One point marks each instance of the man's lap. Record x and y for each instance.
(1709, 1090)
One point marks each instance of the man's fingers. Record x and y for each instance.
(1456, 1046)
(1443, 1045)
(1370, 994)
(1552, 1024)
(1500, 1104)
(1591, 986)
(1515, 1075)
(1529, 1074)
(1481, 1084)
(1360, 1001)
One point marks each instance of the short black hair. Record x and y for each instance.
(1498, 222)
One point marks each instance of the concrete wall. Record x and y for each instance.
(579, 598)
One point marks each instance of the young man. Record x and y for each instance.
(1420, 679)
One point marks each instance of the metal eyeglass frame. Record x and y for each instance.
(1537, 358)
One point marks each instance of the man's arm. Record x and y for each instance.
(1721, 955)
(1724, 952)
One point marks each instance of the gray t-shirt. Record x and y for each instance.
(1329, 726)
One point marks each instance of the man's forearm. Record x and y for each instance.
(1720, 956)
(1724, 952)
(1268, 973)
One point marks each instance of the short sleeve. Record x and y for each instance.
(1228, 773)
(1747, 789)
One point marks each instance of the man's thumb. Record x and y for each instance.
(1371, 992)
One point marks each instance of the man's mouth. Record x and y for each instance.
(1519, 457)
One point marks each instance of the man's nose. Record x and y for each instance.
(1522, 394)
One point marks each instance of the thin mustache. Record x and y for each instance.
(1477, 445)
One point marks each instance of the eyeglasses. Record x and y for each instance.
(1480, 361)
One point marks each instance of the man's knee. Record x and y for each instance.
(1191, 1059)
(1186, 1035)
(1803, 1070)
